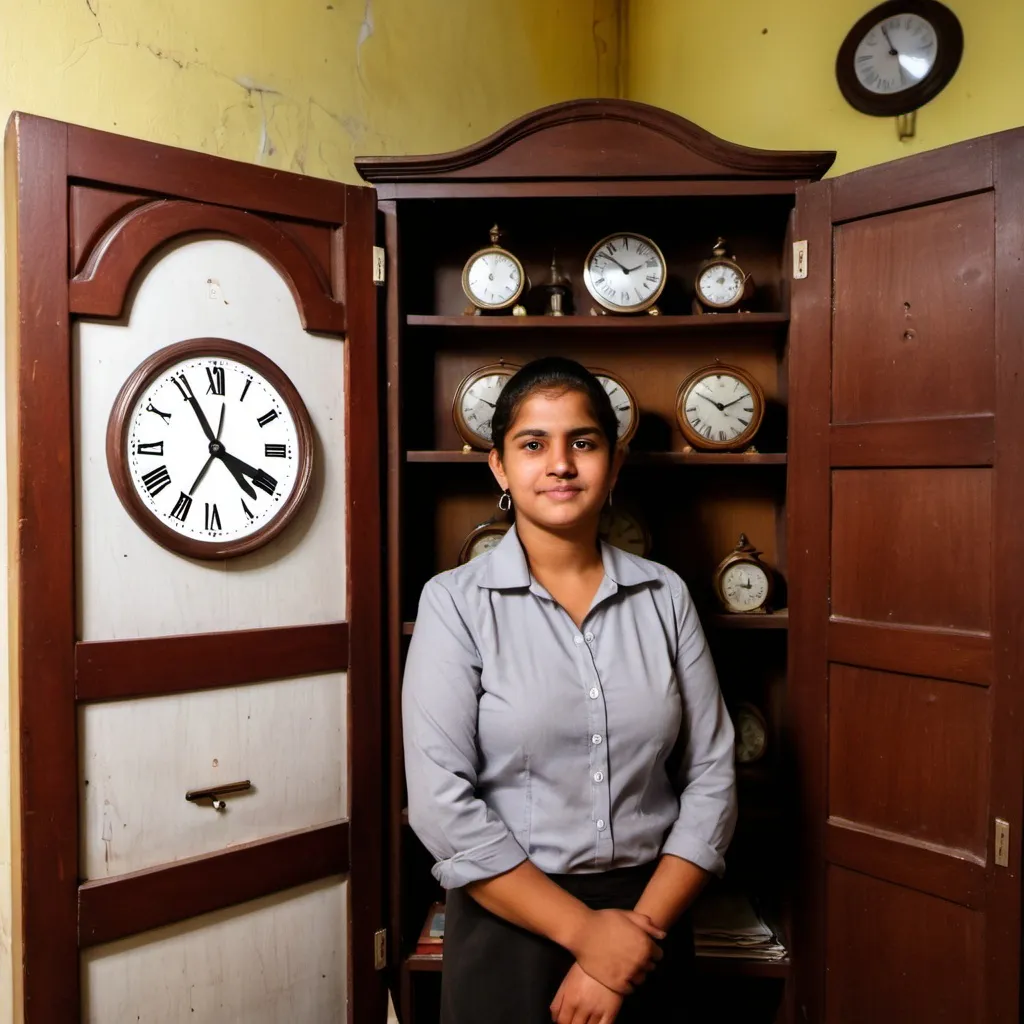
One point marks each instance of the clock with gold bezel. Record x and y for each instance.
(474, 402)
(743, 583)
(719, 408)
(493, 279)
(721, 285)
(625, 273)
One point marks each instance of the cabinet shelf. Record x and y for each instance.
(719, 966)
(635, 458)
(768, 323)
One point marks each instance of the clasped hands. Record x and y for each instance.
(614, 952)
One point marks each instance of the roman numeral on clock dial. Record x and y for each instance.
(267, 417)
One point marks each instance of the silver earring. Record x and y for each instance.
(505, 502)
(609, 499)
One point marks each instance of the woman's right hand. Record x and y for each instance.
(617, 948)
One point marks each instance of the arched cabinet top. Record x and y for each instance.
(598, 138)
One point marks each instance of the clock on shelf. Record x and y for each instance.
(743, 583)
(626, 530)
(474, 402)
(719, 408)
(899, 56)
(483, 538)
(721, 283)
(751, 733)
(493, 279)
(210, 448)
(623, 403)
(625, 273)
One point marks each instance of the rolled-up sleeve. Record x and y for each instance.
(440, 692)
(707, 773)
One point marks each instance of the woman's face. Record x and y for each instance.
(556, 463)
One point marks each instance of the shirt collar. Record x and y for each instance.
(507, 568)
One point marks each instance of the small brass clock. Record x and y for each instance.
(721, 284)
(494, 279)
(743, 583)
(474, 402)
(625, 273)
(719, 408)
(483, 538)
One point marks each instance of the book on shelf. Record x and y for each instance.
(431, 940)
(725, 924)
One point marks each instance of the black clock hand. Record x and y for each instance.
(893, 52)
(239, 479)
(203, 421)
(209, 461)
(242, 467)
(616, 262)
(717, 405)
(734, 401)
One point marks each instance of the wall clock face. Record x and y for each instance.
(719, 407)
(474, 402)
(899, 56)
(209, 447)
(624, 405)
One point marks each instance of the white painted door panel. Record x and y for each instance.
(139, 757)
(278, 960)
(129, 586)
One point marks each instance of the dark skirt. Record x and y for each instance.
(497, 973)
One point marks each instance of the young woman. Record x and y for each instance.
(568, 754)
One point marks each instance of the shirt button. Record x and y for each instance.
(595, 739)
(600, 824)
(577, 640)
(595, 693)
(589, 637)
(599, 776)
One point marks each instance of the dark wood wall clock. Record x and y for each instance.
(899, 56)
(210, 448)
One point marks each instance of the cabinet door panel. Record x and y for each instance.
(905, 485)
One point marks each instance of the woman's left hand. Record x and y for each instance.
(582, 1000)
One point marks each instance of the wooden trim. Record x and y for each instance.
(1003, 932)
(699, 154)
(936, 176)
(367, 992)
(108, 669)
(808, 505)
(114, 908)
(770, 325)
(598, 189)
(166, 170)
(101, 287)
(912, 650)
(42, 591)
(956, 875)
(949, 441)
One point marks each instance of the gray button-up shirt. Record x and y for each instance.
(582, 749)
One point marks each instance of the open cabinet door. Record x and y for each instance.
(906, 550)
(145, 668)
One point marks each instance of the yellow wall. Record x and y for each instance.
(303, 85)
(716, 65)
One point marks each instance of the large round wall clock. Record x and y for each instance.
(899, 56)
(210, 448)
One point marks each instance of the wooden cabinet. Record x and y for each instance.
(881, 493)
(880, 833)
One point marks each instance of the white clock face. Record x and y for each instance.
(494, 279)
(625, 273)
(477, 403)
(622, 404)
(745, 586)
(212, 449)
(750, 736)
(720, 285)
(896, 54)
(719, 407)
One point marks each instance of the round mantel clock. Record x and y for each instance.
(210, 448)
(743, 583)
(719, 408)
(899, 56)
(625, 273)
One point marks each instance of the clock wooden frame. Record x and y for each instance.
(611, 306)
(949, 44)
(610, 512)
(466, 432)
(120, 421)
(699, 441)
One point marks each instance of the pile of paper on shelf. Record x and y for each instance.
(726, 924)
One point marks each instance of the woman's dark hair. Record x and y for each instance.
(557, 374)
